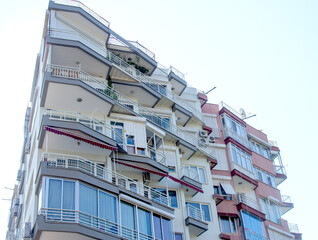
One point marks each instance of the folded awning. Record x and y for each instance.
(80, 137)
(227, 188)
(162, 174)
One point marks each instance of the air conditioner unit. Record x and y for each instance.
(15, 210)
(146, 177)
(203, 133)
(211, 139)
(202, 141)
(27, 231)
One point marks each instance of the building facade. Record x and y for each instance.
(117, 146)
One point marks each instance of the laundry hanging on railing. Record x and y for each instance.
(79, 138)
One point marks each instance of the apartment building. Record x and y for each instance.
(117, 146)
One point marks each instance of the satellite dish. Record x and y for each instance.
(243, 114)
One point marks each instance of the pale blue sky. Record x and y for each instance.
(261, 55)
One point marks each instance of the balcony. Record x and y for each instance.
(195, 220)
(53, 160)
(230, 133)
(124, 71)
(126, 105)
(54, 223)
(293, 228)
(286, 204)
(191, 178)
(280, 174)
(135, 53)
(250, 205)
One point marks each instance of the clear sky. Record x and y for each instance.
(261, 55)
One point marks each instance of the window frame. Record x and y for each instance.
(197, 173)
(209, 209)
(230, 224)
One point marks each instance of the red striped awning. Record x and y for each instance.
(163, 175)
(76, 136)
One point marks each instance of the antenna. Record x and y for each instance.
(243, 114)
(210, 90)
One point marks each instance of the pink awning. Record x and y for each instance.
(79, 138)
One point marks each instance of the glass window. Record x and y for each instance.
(157, 226)
(216, 189)
(68, 195)
(202, 175)
(173, 198)
(144, 222)
(205, 209)
(166, 227)
(107, 206)
(225, 224)
(178, 236)
(54, 198)
(252, 223)
(87, 199)
(233, 225)
(127, 215)
(194, 173)
(234, 155)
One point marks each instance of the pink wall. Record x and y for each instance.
(256, 133)
(210, 108)
(267, 191)
(263, 163)
(227, 206)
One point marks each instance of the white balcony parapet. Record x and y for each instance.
(194, 212)
(242, 198)
(100, 224)
(92, 168)
(75, 3)
(273, 143)
(130, 70)
(75, 73)
(293, 227)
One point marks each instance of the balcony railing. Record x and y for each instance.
(142, 48)
(232, 110)
(103, 128)
(100, 224)
(286, 198)
(251, 235)
(194, 212)
(293, 228)
(242, 198)
(71, 35)
(85, 8)
(74, 73)
(99, 171)
(229, 132)
(280, 169)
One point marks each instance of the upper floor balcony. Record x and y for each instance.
(286, 204)
(121, 104)
(149, 156)
(98, 170)
(123, 71)
(195, 220)
(250, 205)
(176, 78)
(293, 228)
(191, 176)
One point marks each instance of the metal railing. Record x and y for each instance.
(251, 235)
(194, 212)
(242, 198)
(99, 171)
(177, 72)
(156, 155)
(229, 132)
(232, 110)
(74, 73)
(85, 8)
(74, 216)
(280, 169)
(293, 227)
(91, 122)
(120, 63)
(142, 48)
(286, 198)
